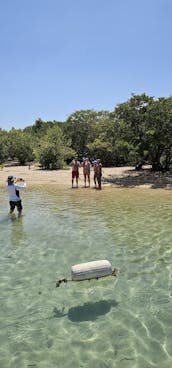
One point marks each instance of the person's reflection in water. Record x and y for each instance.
(18, 236)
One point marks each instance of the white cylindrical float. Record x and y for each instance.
(91, 270)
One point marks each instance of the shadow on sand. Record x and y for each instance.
(132, 178)
(86, 312)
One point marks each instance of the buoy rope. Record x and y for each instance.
(59, 282)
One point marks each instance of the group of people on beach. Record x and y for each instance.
(86, 165)
(14, 185)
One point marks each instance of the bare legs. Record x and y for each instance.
(87, 177)
(76, 182)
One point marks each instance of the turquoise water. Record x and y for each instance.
(106, 323)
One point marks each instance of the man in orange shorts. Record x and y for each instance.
(75, 170)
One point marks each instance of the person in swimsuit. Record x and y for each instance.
(98, 174)
(86, 164)
(94, 168)
(75, 170)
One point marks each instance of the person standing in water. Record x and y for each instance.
(14, 186)
(86, 171)
(94, 168)
(75, 170)
(98, 174)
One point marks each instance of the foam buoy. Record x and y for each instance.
(91, 270)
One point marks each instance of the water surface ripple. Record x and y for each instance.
(105, 323)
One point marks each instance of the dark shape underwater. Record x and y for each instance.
(88, 311)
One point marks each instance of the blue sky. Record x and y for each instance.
(60, 56)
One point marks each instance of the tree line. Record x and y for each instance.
(137, 132)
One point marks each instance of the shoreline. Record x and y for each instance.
(118, 177)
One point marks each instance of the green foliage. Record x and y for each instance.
(3, 146)
(82, 128)
(53, 149)
(20, 146)
(100, 149)
(138, 131)
(149, 128)
(159, 133)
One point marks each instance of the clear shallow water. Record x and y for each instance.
(122, 322)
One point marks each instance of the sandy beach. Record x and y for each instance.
(126, 177)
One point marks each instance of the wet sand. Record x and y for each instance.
(126, 177)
